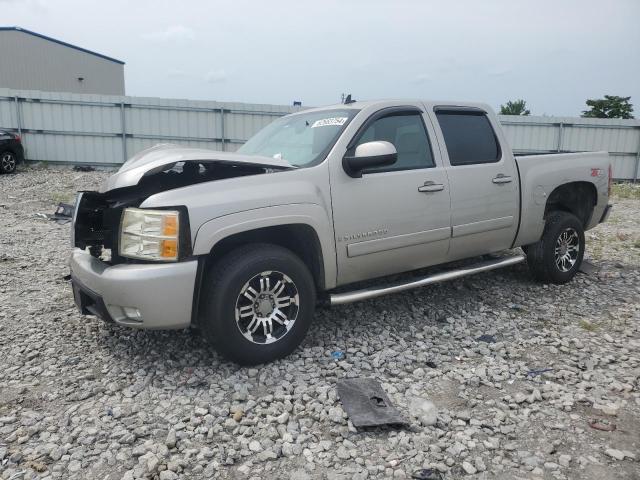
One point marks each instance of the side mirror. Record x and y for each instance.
(369, 155)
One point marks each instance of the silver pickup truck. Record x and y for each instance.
(242, 245)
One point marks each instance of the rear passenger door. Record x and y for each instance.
(483, 181)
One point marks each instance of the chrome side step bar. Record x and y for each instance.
(372, 292)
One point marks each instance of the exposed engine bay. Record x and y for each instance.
(98, 214)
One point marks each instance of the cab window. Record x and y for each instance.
(469, 138)
(408, 134)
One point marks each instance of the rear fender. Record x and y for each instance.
(541, 175)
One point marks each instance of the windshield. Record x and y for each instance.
(301, 140)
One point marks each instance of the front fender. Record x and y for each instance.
(313, 215)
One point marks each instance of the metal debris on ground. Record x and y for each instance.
(602, 425)
(426, 474)
(64, 210)
(18, 475)
(535, 373)
(84, 168)
(63, 213)
(337, 355)
(486, 338)
(588, 268)
(367, 404)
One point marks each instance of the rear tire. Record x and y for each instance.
(8, 162)
(557, 257)
(258, 304)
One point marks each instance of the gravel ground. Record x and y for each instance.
(83, 399)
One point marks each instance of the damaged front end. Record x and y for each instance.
(98, 215)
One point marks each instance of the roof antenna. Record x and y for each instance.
(348, 100)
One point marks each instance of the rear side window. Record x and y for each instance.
(407, 133)
(469, 137)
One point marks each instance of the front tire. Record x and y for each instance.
(258, 303)
(557, 257)
(8, 162)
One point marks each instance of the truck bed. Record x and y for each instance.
(540, 175)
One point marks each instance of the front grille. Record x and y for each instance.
(96, 224)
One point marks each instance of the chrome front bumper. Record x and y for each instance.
(153, 296)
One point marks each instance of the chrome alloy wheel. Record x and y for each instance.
(267, 307)
(8, 162)
(567, 249)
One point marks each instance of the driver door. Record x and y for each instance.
(394, 218)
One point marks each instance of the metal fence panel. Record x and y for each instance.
(107, 129)
(531, 138)
(621, 138)
(69, 117)
(594, 138)
(141, 120)
(624, 167)
(135, 145)
(7, 112)
(59, 148)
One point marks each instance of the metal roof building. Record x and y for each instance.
(31, 61)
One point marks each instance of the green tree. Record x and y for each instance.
(516, 107)
(611, 106)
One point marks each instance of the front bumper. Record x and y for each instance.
(152, 296)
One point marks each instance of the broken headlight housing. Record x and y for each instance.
(150, 234)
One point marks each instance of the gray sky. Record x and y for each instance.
(553, 53)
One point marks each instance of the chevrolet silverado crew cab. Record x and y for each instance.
(242, 245)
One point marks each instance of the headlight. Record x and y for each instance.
(150, 234)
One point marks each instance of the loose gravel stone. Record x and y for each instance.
(168, 475)
(171, 439)
(255, 446)
(424, 410)
(613, 453)
(564, 460)
(467, 467)
(84, 399)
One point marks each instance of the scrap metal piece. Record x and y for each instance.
(64, 210)
(426, 474)
(588, 268)
(486, 338)
(367, 404)
(535, 373)
(63, 214)
(84, 168)
(338, 355)
(602, 425)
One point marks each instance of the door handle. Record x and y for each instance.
(431, 187)
(502, 178)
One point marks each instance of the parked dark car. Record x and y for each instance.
(11, 151)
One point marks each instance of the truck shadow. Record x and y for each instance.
(334, 328)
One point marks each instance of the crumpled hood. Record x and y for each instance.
(164, 156)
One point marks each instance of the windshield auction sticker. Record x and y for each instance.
(326, 122)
